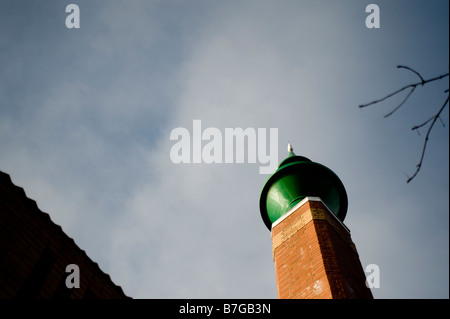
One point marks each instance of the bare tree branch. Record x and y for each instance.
(416, 128)
(413, 85)
(434, 118)
(414, 71)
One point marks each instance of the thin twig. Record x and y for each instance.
(414, 71)
(423, 124)
(426, 139)
(400, 105)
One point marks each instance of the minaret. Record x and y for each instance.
(304, 205)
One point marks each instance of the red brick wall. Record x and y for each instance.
(34, 253)
(315, 257)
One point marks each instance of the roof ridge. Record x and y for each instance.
(32, 204)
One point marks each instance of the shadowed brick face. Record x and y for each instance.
(315, 257)
(34, 253)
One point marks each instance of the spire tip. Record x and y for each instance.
(290, 148)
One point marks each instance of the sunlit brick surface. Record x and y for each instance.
(315, 257)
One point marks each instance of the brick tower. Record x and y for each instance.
(304, 204)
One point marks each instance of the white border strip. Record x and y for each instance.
(301, 203)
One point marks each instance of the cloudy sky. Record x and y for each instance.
(86, 116)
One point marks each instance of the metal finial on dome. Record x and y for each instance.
(290, 148)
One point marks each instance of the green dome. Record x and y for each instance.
(296, 178)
